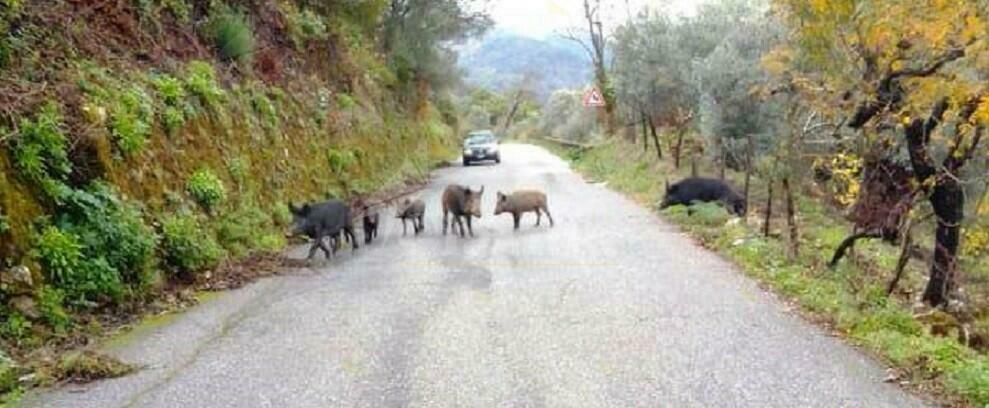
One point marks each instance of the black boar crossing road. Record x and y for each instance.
(698, 189)
(328, 219)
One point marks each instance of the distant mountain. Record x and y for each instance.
(501, 60)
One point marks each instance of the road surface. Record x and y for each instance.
(612, 307)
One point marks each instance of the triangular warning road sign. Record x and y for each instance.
(593, 98)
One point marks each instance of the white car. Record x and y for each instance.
(481, 145)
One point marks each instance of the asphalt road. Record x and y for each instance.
(612, 307)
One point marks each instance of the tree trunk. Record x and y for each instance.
(905, 253)
(693, 165)
(791, 218)
(948, 201)
(720, 146)
(769, 210)
(721, 166)
(947, 198)
(678, 150)
(655, 139)
(512, 112)
(750, 152)
(645, 133)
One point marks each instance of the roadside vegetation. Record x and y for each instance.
(855, 131)
(145, 144)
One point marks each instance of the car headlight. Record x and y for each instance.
(466, 150)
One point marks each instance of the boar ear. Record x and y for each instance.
(293, 209)
(481, 191)
(305, 209)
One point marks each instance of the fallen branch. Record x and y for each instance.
(848, 243)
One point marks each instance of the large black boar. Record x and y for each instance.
(412, 210)
(321, 220)
(689, 190)
(463, 203)
(521, 202)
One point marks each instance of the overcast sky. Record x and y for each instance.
(539, 18)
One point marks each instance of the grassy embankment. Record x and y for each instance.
(145, 146)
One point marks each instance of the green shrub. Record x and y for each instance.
(109, 228)
(264, 108)
(179, 9)
(16, 326)
(187, 246)
(238, 168)
(59, 253)
(241, 231)
(8, 374)
(84, 280)
(340, 160)
(230, 33)
(172, 93)
(281, 215)
(206, 188)
(170, 89)
(50, 304)
(345, 101)
(303, 26)
(201, 82)
(131, 120)
(40, 150)
(173, 118)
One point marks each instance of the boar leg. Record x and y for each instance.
(517, 219)
(444, 221)
(421, 226)
(539, 216)
(469, 228)
(312, 249)
(322, 245)
(546, 210)
(349, 232)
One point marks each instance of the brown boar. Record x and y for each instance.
(463, 203)
(521, 202)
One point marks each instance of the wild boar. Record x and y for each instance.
(412, 210)
(463, 203)
(689, 190)
(521, 202)
(322, 220)
(370, 221)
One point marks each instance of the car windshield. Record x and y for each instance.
(481, 138)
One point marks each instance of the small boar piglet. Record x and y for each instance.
(523, 201)
(323, 220)
(463, 203)
(411, 210)
(370, 224)
(690, 190)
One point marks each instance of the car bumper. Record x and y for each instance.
(481, 155)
